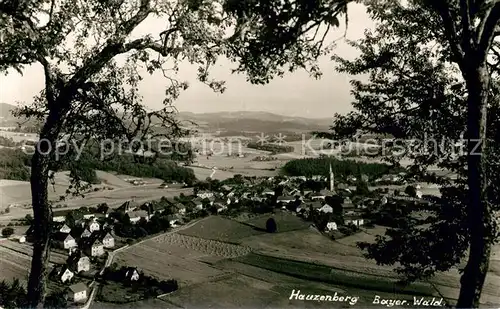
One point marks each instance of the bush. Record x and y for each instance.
(8, 231)
(271, 226)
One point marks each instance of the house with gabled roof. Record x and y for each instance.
(94, 248)
(65, 241)
(65, 229)
(108, 241)
(78, 262)
(78, 292)
(136, 215)
(93, 225)
(86, 233)
(64, 273)
(326, 209)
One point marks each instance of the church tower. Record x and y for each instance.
(332, 184)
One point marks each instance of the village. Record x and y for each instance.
(89, 236)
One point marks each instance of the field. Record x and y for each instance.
(180, 257)
(222, 229)
(26, 250)
(13, 264)
(285, 221)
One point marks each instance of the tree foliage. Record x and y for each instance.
(432, 71)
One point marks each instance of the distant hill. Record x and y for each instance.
(241, 121)
(8, 120)
(255, 121)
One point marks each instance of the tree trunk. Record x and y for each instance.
(42, 212)
(479, 216)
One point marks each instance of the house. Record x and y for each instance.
(128, 206)
(268, 192)
(326, 209)
(132, 274)
(286, 199)
(65, 274)
(93, 226)
(220, 207)
(86, 233)
(356, 220)
(77, 292)
(174, 220)
(65, 241)
(59, 218)
(204, 194)
(295, 192)
(96, 248)
(78, 262)
(65, 229)
(181, 209)
(331, 226)
(197, 203)
(88, 216)
(108, 241)
(136, 215)
(317, 196)
(22, 239)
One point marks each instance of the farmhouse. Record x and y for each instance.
(78, 292)
(108, 241)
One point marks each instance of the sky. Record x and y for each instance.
(296, 94)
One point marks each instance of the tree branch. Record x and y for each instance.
(487, 30)
(466, 24)
(114, 46)
(443, 9)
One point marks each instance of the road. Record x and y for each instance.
(114, 198)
